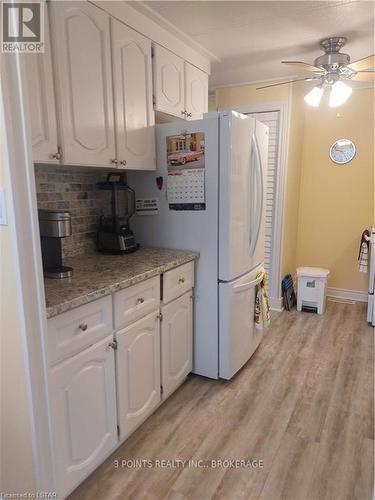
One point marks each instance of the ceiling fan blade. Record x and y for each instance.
(365, 63)
(289, 81)
(304, 66)
(364, 76)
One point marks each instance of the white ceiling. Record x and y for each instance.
(251, 37)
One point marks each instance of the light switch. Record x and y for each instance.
(3, 209)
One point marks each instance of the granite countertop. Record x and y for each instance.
(96, 275)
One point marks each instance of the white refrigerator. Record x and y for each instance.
(222, 217)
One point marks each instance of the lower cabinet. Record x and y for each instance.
(138, 372)
(83, 408)
(176, 342)
(101, 390)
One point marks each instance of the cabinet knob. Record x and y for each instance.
(181, 280)
(58, 155)
(114, 161)
(123, 163)
(189, 115)
(140, 300)
(83, 327)
(112, 345)
(183, 112)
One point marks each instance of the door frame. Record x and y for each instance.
(275, 296)
(21, 194)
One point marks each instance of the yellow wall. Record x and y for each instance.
(247, 94)
(293, 180)
(337, 202)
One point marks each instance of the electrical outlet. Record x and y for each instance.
(3, 209)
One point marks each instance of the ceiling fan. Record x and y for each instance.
(331, 70)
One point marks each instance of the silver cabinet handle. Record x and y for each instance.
(140, 300)
(114, 161)
(83, 327)
(181, 280)
(113, 345)
(58, 155)
(123, 162)
(189, 115)
(184, 112)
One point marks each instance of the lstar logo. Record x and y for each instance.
(22, 27)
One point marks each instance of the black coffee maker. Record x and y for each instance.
(114, 234)
(53, 226)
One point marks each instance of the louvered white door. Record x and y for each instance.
(134, 114)
(82, 54)
(272, 120)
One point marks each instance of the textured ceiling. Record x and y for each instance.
(252, 37)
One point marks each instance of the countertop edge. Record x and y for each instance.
(56, 310)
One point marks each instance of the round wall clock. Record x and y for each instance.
(342, 151)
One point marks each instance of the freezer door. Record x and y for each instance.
(243, 159)
(238, 337)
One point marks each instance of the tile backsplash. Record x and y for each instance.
(74, 189)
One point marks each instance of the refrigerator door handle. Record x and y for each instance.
(249, 284)
(256, 215)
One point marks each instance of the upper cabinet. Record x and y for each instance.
(41, 99)
(180, 89)
(196, 92)
(169, 82)
(82, 61)
(134, 115)
(91, 93)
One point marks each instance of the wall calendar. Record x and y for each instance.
(186, 172)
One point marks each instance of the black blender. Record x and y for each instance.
(114, 234)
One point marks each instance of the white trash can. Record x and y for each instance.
(312, 288)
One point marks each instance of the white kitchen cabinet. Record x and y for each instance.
(82, 62)
(83, 409)
(176, 342)
(41, 99)
(169, 82)
(138, 372)
(134, 114)
(196, 92)
(180, 89)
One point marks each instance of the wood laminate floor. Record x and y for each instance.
(303, 405)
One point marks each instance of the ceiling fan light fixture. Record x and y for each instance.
(314, 96)
(340, 93)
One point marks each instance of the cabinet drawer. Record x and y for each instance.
(75, 330)
(178, 281)
(136, 301)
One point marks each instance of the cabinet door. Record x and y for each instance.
(41, 101)
(83, 407)
(82, 57)
(134, 114)
(176, 342)
(168, 74)
(196, 92)
(138, 372)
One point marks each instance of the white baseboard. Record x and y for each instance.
(344, 293)
(276, 304)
